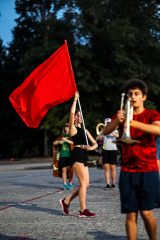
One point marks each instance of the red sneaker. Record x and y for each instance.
(87, 213)
(65, 207)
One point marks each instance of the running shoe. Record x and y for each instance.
(86, 213)
(107, 187)
(70, 186)
(113, 186)
(65, 187)
(65, 207)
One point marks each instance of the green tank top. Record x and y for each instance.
(65, 150)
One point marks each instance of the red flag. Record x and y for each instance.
(50, 84)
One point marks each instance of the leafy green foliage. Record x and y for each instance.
(109, 43)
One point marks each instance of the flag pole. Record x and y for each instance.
(82, 121)
(73, 80)
(65, 41)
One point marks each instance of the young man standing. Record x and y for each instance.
(139, 178)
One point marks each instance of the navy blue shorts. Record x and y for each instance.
(139, 191)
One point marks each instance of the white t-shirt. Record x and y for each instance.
(109, 141)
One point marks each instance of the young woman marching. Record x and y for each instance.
(79, 157)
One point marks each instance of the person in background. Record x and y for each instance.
(65, 160)
(79, 157)
(99, 141)
(109, 156)
(139, 177)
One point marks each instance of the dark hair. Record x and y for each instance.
(63, 129)
(136, 83)
(77, 110)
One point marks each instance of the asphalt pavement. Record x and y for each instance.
(30, 209)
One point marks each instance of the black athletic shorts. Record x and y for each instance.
(79, 155)
(109, 156)
(64, 162)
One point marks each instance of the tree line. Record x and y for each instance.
(109, 42)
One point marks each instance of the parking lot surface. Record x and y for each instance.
(30, 209)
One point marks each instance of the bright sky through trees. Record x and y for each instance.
(7, 16)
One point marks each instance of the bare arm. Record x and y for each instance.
(93, 141)
(67, 140)
(72, 128)
(153, 128)
(109, 128)
(57, 142)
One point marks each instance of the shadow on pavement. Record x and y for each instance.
(5, 237)
(104, 235)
